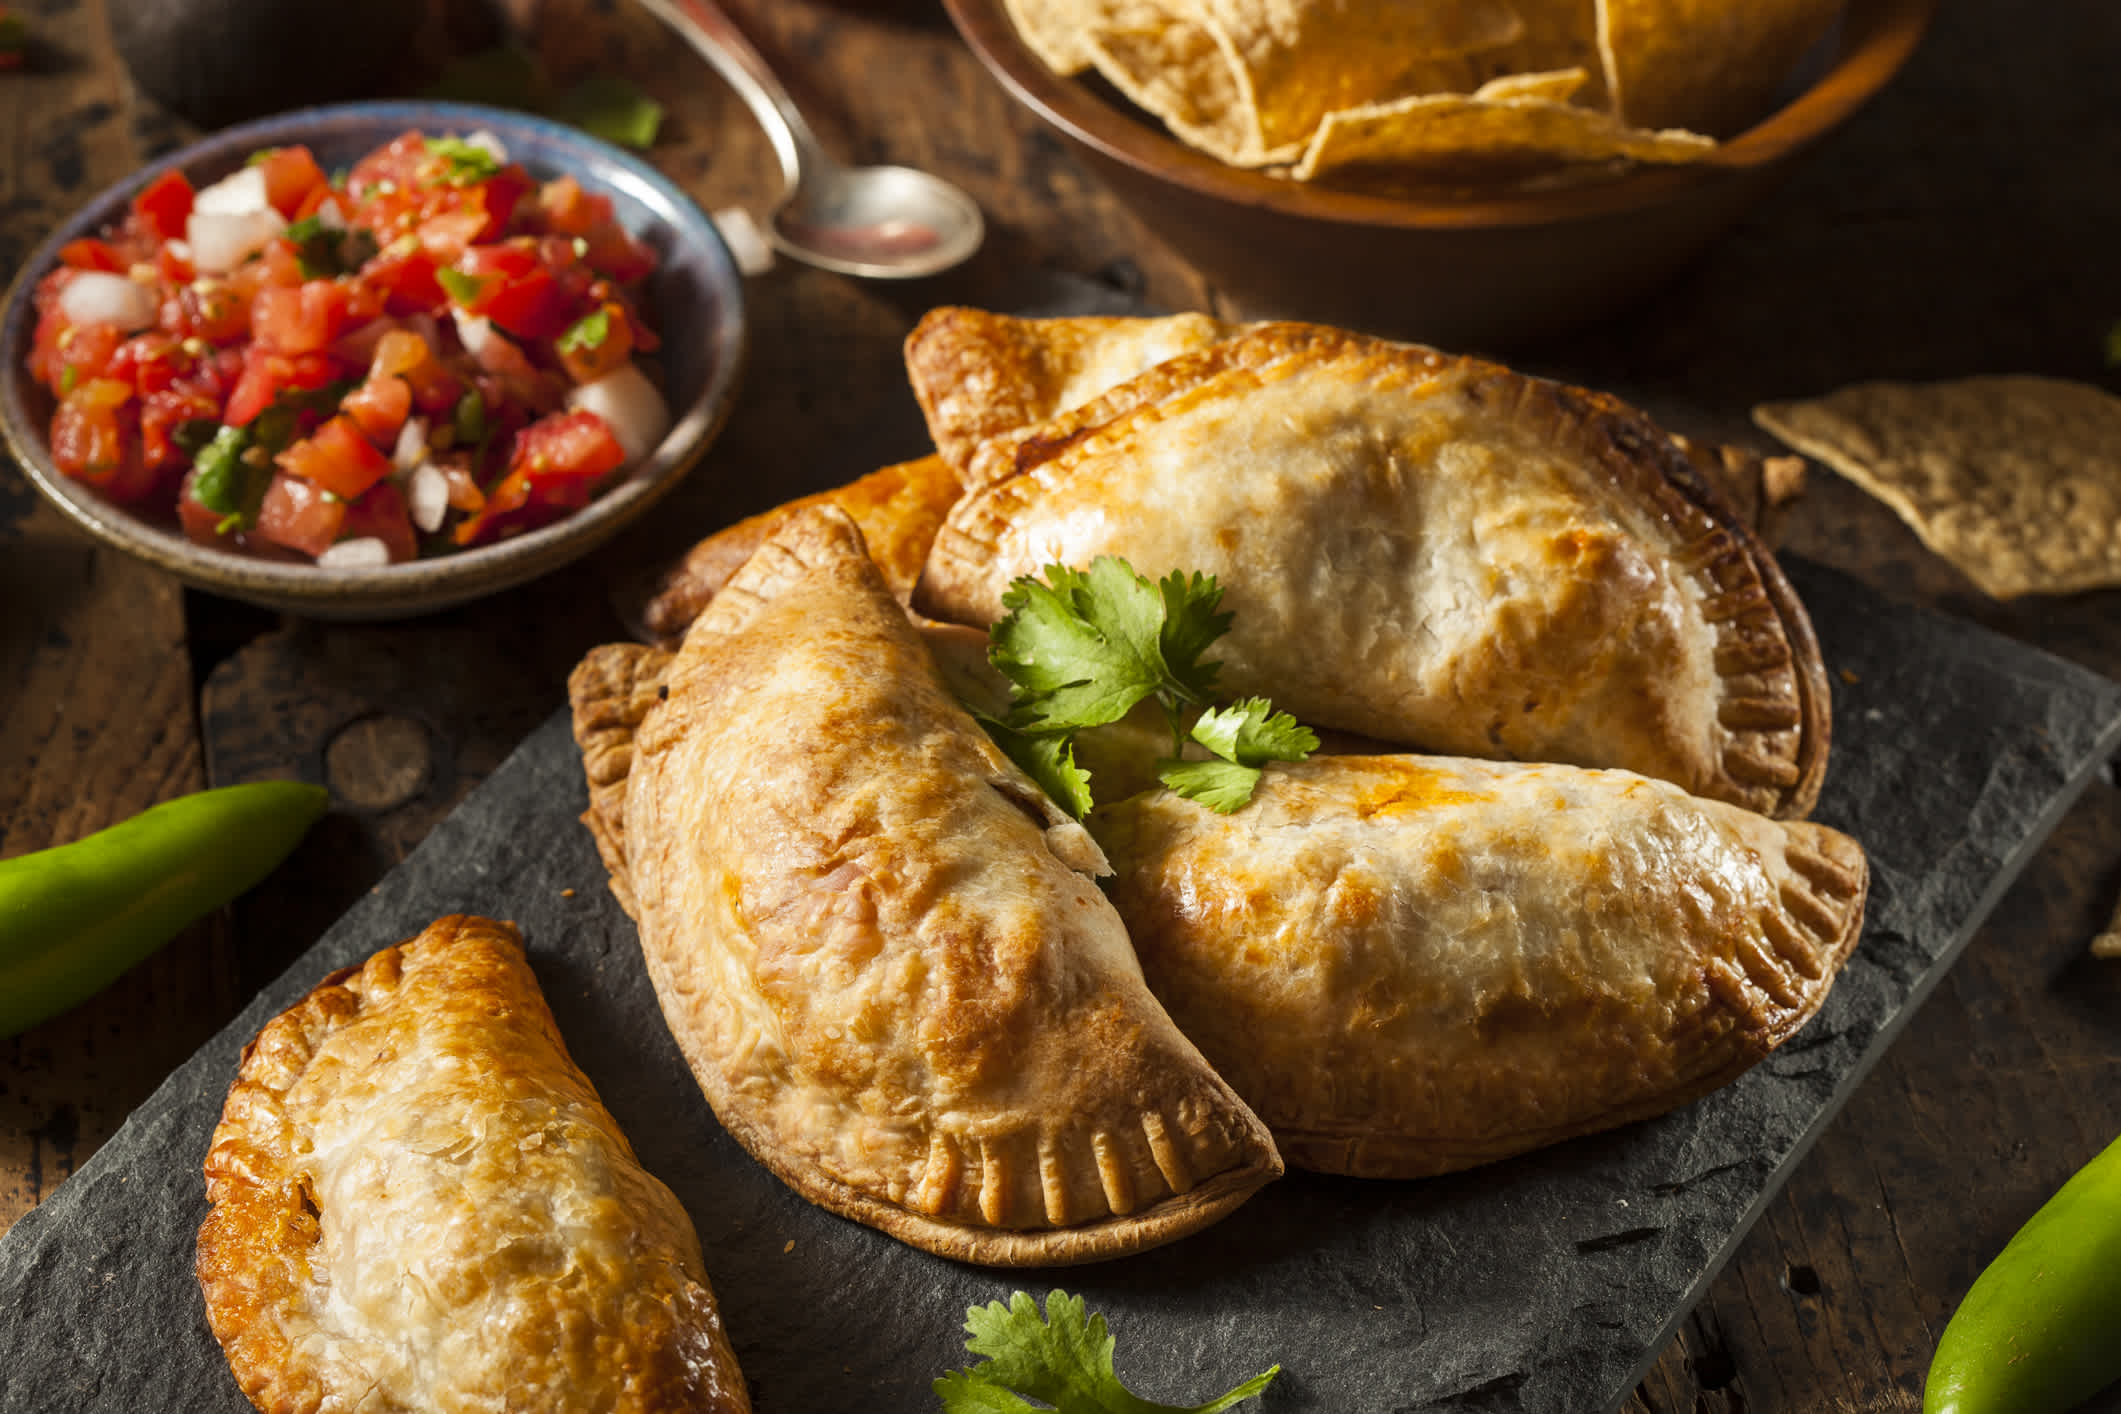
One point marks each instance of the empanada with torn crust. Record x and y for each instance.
(881, 949)
(1409, 965)
(1426, 549)
(418, 1202)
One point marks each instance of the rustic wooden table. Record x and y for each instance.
(1963, 224)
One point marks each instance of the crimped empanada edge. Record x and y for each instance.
(1404, 1156)
(1165, 1221)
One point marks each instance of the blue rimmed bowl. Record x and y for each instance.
(697, 304)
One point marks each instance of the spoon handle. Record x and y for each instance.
(703, 25)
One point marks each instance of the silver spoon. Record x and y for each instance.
(885, 223)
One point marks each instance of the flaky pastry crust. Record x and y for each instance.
(882, 950)
(419, 1203)
(1425, 549)
(1409, 965)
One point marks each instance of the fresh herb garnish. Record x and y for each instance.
(69, 379)
(227, 481)
(588, 332)
(602, 104)
(462, 288)
(14, 40)
(326, 251)
(1083, 648)
(1064, 1360)
(259, 158)
(194, 435)
(465, 163)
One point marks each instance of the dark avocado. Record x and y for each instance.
(216, 62)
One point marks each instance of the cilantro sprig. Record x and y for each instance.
(1082, 648)
(1064, 1360)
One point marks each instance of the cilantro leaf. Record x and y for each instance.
(461, 287)
(1251, 733)
(1222, 786)
(325, 251)
(1064, 1360)
(587, 333)
(610, 107)
(1191, 623)
(1047, 759)
(466, 163)
(1085, 646)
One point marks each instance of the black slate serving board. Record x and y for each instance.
(1547, 1283)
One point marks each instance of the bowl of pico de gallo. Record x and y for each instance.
(372, 360)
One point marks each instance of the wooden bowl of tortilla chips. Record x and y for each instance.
(1475, 173)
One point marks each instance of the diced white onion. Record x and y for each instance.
(221, 240)
(489, 144)
(329, 215)
(181, 250)
(472, 330)
(626, 400)
(427, 496)
(746, 242)
(365, 553)
(238, 192)
(99, 297)
(412, 445)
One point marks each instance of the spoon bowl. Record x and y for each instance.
(880, 223)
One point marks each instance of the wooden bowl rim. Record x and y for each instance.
(1877, 37)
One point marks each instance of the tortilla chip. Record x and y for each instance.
(1556, 86)
(1249, 80)
(1465, 138)
(1558, 35)
(2015, 480)
(1054, 31)
(1713, 66)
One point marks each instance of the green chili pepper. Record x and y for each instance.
(2035, 1332)
(72, 918)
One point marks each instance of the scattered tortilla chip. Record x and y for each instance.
(2015, 480)
(1466, 138)
(2108, 944)
(1556, 86)
(1712, 66)
(1249, 80)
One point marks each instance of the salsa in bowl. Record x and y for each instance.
(374, 359)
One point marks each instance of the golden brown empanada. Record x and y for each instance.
(1409, 965)
(879, 945)
(977, 375)
(899, 508)
(1425, 549)
(420, 1203)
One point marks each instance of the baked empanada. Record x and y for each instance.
(1424, 549)
(420, 1203)
(880, 947)
(899, 508)
(1408, 965)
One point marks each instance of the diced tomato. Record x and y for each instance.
(500, 512)
(201, 523)
(396, 163)
(304, 319)
(338, 458)
(171, 265)
(404, 272)
(95, 438)
(447, 235)
(515, 289)
(402, 354)
(88, 253)
(500, 196)
(566, 455)
(382, 513)
(82, 352)
(161, 414)
(300, 515)
(596, 344)
(291, 174)
(164, 205)
(379, 408)
(564, 209)
(265, 375)
(150, 362)
(208, 309)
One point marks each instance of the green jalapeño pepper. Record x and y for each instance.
(75, 916)
(2036, 1331)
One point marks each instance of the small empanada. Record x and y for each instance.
(1424, 549)
(420, 1203)
(880, 947)
(1408, 965)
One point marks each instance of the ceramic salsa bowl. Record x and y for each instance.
(695, 298)
(1489, 273)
